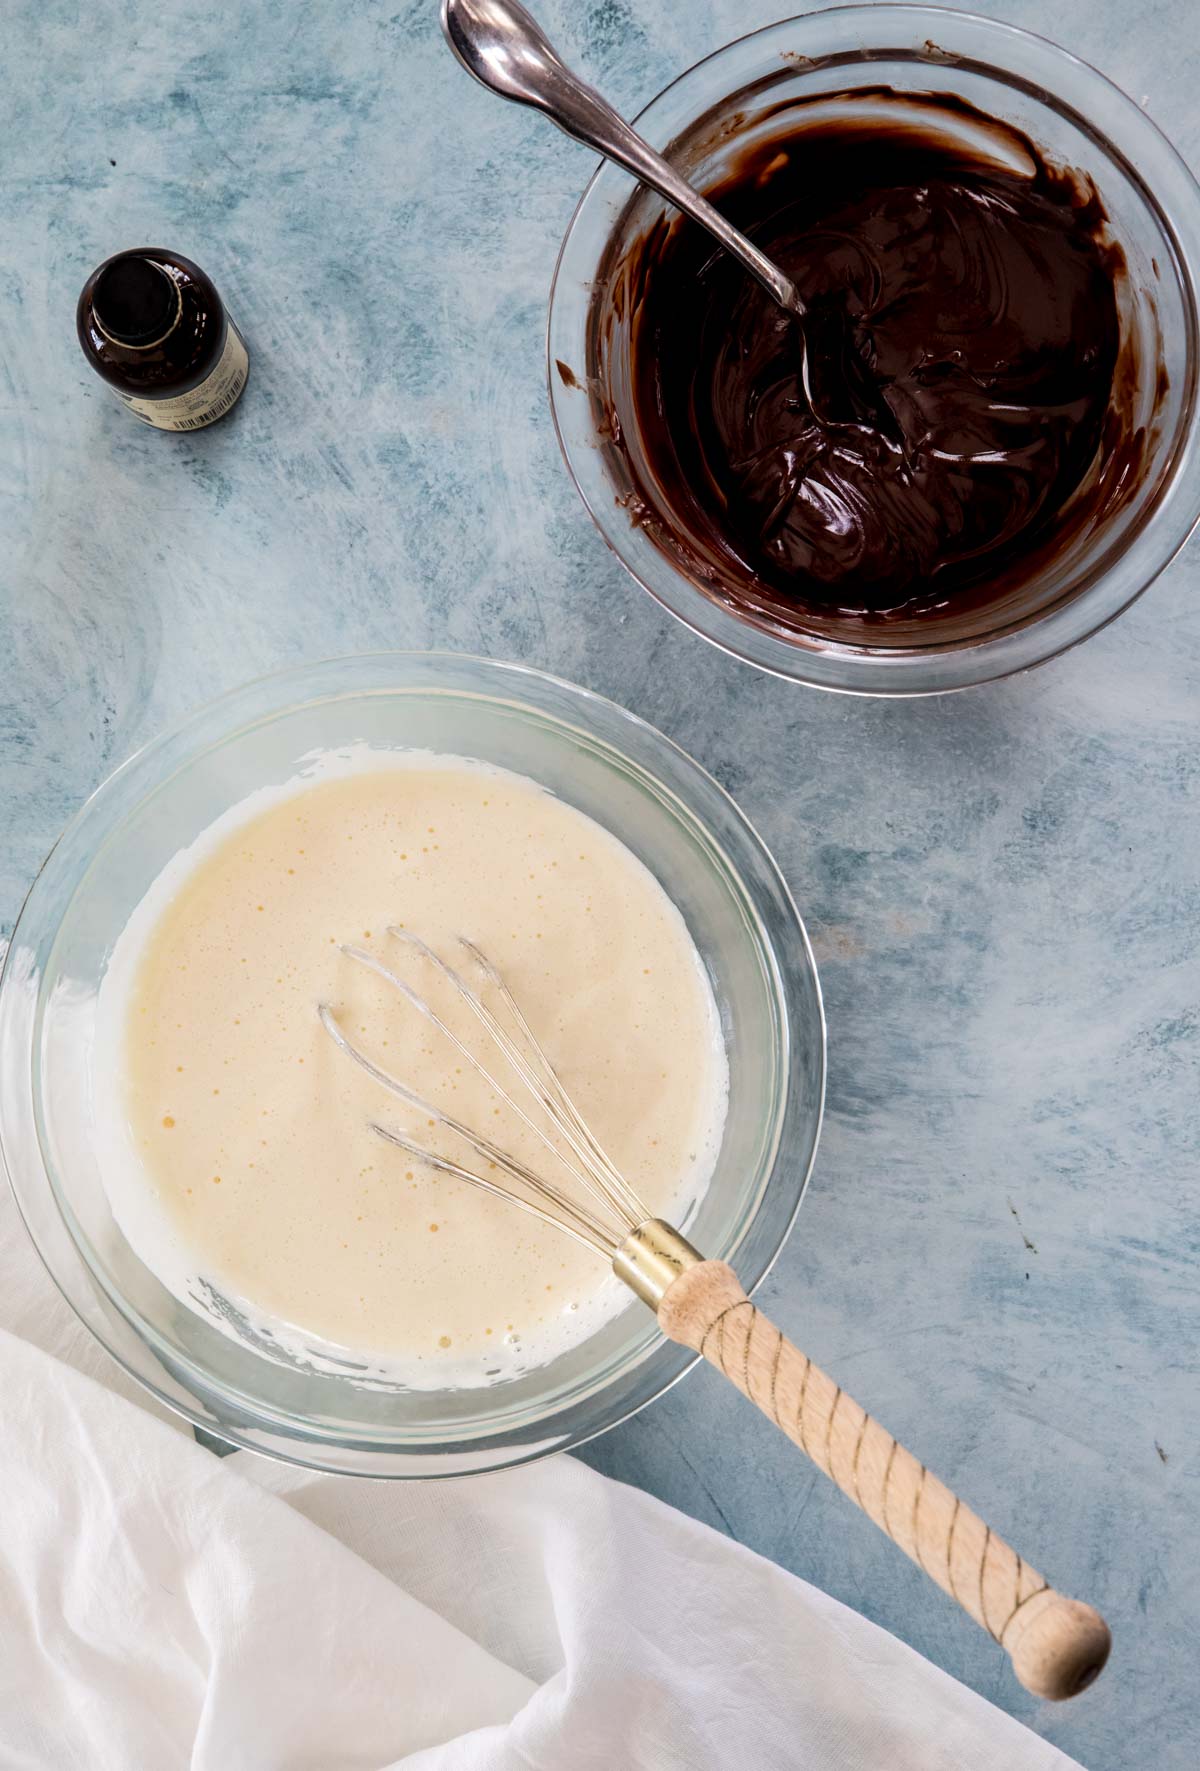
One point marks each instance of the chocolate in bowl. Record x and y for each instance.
(1098, 482)
(966, 408)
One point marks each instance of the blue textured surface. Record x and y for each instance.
(1001, 1250)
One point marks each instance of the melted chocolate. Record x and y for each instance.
(962, 337)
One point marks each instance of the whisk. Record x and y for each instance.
(1057, 1645)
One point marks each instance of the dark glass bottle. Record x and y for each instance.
(152, 324)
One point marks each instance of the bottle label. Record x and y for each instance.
(218, 391)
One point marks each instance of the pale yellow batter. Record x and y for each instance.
(253, 1131)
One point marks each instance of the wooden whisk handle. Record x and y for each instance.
(1057, 1645)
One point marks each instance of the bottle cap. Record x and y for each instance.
(135, 302)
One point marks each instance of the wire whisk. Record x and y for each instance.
(1057, 1645)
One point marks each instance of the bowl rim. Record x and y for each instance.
(1000, 653)
(277, 1441)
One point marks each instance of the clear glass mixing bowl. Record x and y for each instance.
(584, 749)
(1079, 119)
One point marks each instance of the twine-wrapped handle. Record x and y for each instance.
(1057, 1645)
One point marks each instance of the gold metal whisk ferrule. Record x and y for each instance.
(651, 1258)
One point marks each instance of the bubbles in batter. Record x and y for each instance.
(246, 1169)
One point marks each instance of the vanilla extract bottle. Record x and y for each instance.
(153, 326)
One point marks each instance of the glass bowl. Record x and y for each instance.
(1079, 119)
(590, 753)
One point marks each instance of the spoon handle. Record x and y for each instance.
(1057, 1645)
(507, 51)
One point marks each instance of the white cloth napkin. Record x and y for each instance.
(161, 1608)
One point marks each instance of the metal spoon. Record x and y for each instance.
(506, 50)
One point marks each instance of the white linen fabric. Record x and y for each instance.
(162, 1608)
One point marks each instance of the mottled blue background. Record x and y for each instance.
(1001, 1248)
